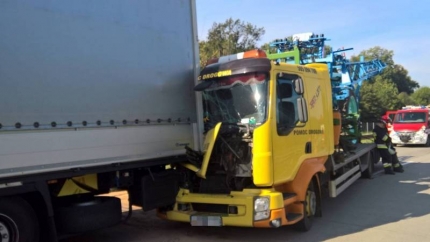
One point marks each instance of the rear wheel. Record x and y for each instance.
(18, 221)
(368, 173)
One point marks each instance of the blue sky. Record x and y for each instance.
(400, 25)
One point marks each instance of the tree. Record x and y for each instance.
(206, 52)
(376, 52)
(368, 109)
(393, 72)
(399, 75)
(378, 97)
(405, 99)
(266, 47)
(422, 96)
(232, 36)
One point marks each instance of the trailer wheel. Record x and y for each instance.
(18, 221)
(101, 212)
(310, 207)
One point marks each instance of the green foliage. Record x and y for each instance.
(405, 99)
(206, 52)
(378, 97)
(376, 52)
(395, 73)
(368, 103)
(232, 36)
(266, 47)
(270, 50)
(422, 96)
(399, 75)
(388, 91)
(327, 49)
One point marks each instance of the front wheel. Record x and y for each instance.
(18, 221)
(427, 144)
(310, 208)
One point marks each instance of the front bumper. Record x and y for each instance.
(234, 209)
(409, 138)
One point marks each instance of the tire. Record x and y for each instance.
(310, 207)
(18, 221)
(368, 173)
(101, 212)
(427, 144)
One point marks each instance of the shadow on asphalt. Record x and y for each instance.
(368, 203)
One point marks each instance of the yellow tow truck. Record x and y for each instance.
(271, 145)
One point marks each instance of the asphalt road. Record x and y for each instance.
(385, 208)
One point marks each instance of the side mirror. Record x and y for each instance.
(298, 86)
(302, 110)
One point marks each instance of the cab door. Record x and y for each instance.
(290, 137)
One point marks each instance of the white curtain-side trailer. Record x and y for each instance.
(94, 95)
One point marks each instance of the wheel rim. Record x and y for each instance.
(311, 200)
(8, 229)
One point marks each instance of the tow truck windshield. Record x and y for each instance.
(236, 99)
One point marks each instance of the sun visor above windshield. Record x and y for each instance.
(226, 82)
(214, 71)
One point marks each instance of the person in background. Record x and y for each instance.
(394, 159)
(388, 123)
(383, 144)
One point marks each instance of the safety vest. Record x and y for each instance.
(381, 137)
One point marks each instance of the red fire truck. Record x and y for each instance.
(411, 126)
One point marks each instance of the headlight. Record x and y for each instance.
(261, 208)
(421, 131)
(394, 134)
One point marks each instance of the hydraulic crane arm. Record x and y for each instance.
(346, 77)
(308, 48)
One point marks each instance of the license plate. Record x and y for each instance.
(206, 220)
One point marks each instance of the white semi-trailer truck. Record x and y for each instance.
(94, 95)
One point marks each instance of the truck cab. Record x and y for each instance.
(411, 126)
(269, 132)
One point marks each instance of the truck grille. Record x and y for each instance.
(406, 136)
